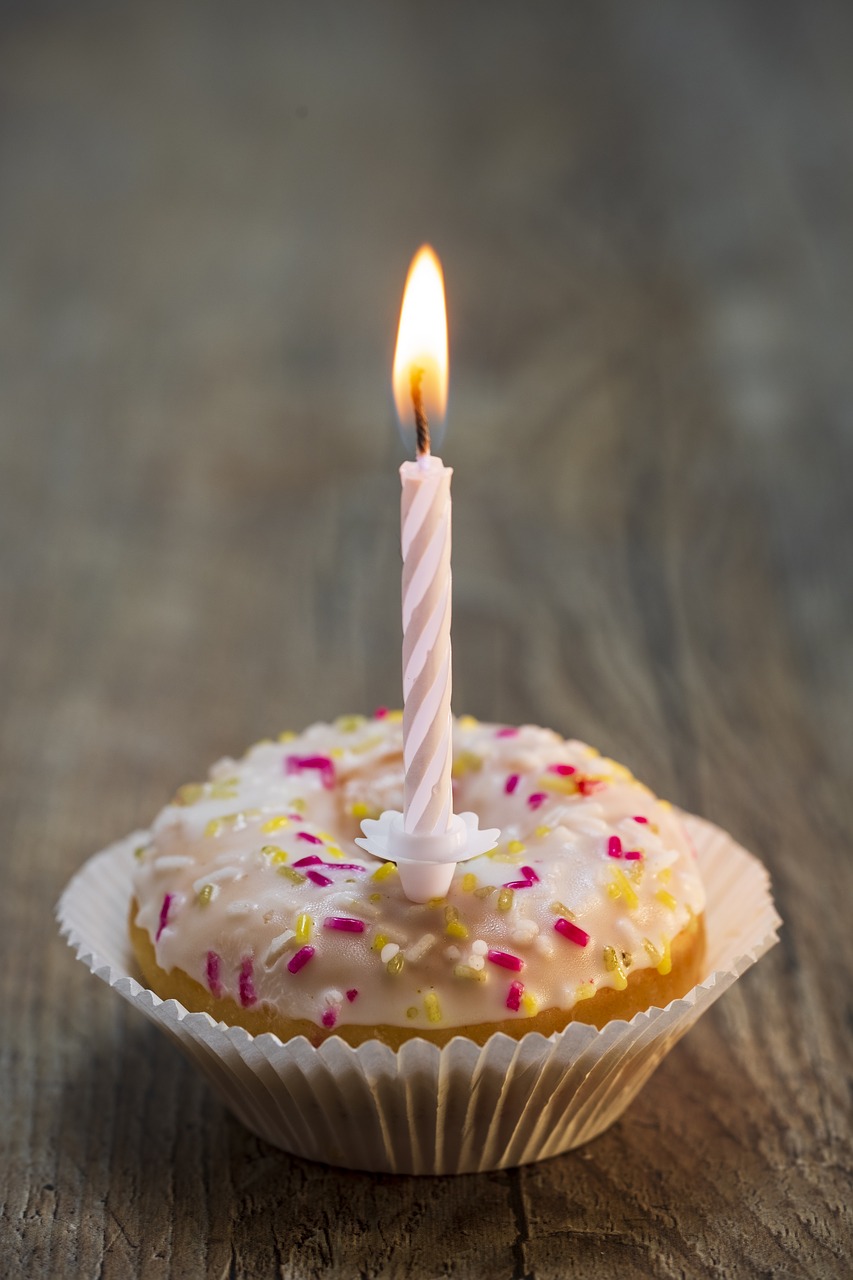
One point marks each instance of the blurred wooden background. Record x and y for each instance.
(644, 213)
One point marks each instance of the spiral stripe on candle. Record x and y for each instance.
(426, 641)
(421, 577)
(416, 508)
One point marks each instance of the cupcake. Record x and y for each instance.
(512, 1019)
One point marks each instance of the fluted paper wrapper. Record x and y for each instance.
(461, 1109)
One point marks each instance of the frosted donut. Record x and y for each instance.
(253, 903)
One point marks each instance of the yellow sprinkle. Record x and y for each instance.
(435, 902)
(274, 853)
(394, 717)
(336, 752)
(516, 846)
(542, 832)
(276, 824)
(666, 961)
(378, 942)
(468, 722)
(529, 1004)
(617, 770)
(613, 963)
(224, 789)
(205, 893)
(298, 804)
(304, 925)
(412, 1011)
(349, 724)
(485, 890)
(456, 929)
(665, 804)
(505, 899)
(565, 786)
(287, 736)
(189, 793)
(433, 1008)
(139, 851)
(469, 882)
(395, 964)
(466, 762)
(465, 971)
(214, 827)
(361, 748)
(360, 810)
(585, 991)
(654, 955)
(666, 899)
(636, 872)
(334, 851)
(560, 909)
(382, 873)
(376, 897)
(621, 886)
(665, 876)
(295, 877)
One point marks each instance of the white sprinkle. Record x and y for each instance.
(172, 862)
(224, 873)
(543, 946)
(479, 947)
(418, 949)
(278, 946)
(240, 908)
(334, 997)
(388, 952)
(453, 953)
(476, 962)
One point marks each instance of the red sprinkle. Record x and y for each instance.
(300, 959)
(531, 874)
(588, 786)
(571, 931)
(213, 982)
(513, 999)
(538, 798)
(307, 836)
(632, 855)
(325, 765)
(344, 866)
(564, 770)
(508, 732)
(317, 877)
(310, 860)
(380, 713)
(518, 884)
(330, 1017)
(614, 847)
(506, 960)
(248, 995)
(511, 783)
(352, 993)
(296, 817)
(164, 915)
(345, 924)
(638, 817)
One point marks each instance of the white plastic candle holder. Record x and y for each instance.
(426, 862)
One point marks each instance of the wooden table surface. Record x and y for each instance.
(644, 213)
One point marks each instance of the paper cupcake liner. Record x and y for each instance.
(424, 1110)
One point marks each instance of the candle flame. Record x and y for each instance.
(420, 359)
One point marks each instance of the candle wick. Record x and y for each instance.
(421, 423)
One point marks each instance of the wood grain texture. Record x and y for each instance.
(644, 214)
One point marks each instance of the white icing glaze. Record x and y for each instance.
(246, 832)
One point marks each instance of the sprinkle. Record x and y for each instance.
(573, 932)
(382, 873)
(325, 766)
(454, 927)
(516, 846)
(360, 810)
(542, 832)
(469, 882)
(506, 960)
(613, 964)
(344, 924)
(419, 949)
(298, 961)
(519, 884)
(248, 995)
(412, 1011)
(287, 736)
(621, 887)
(468, 722)
(465, 971)
(466, 762)
(435, 902)
(505, 898)
(561, 910)
(206, 894)
(380, 713)
(299, 805)
(633, 855)
(666, 899)
(614, 847)
(485, 890)
(189, 793)
(589, 786)
(538, 798)
(172, 862)
(278, 946)
(316, 877)
(276, 824)
(212, 974)
(452, 953)
(378, 942)
(479, 947)
(511, 783)
(139, 851)
(508, 732)
(164, 915)
(513, 999)
(530, 1004)
(295, 877)
(310, 860)
(274, 852)
(349, 724)
(666, 959)
(562, 770)
(432, 1006)
(241, 908)
(585, 991)
(330, 1017)
(304, 925)
(395, 964)
(352, 993)
(308, 838)
(665, 875)
(344, 866)
(476, 962)
(214, 827)
(638, 817)
(530, 874)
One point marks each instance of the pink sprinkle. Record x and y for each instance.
(213, 963)
(538, 798)
(508, 732)
(307, 836)
(518, 884)
(638, 817)
(564, 770)
(513, 1000)
(632, 855)
(588, 786)
(164, 915)
(571, 931)
(248, 995)
(330, 1017)
(346, 924)
(614, 847)
(511, 783)
(380, 713)
(310, 860)
(300, 959)
(326, 767)
(343, 866)
(296, 817)
(530, 874)
(317, 877)
(506, 960)
(352, 993)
